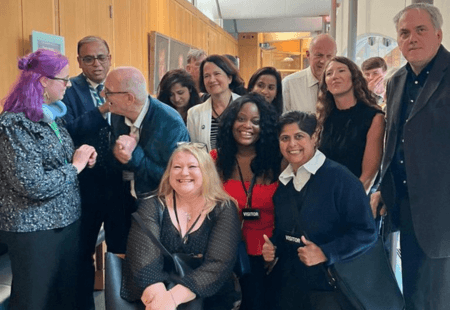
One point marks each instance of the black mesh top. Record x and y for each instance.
(345, 133)
(217, 239)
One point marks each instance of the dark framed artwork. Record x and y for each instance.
(164, 54)
(178, 55)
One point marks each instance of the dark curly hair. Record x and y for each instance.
(278, 100)
(326, 103)
(237, 83)
(268, 157)
(185, 79)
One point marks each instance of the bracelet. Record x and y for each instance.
(173, 299)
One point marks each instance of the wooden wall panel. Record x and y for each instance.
(172, 20)
(72, 27)
(82, 18)
(12, 44)
(130, 41)
(126, 31)
(160, 16)
(99, 20)
(34, 10)
(122, 30)
(249, 54)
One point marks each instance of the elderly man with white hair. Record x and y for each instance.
(145, 130)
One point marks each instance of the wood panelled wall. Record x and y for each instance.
(123, 23)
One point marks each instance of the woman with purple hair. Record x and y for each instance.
(39, 195)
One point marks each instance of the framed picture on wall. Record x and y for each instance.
(164, 54)
(178, 54)
(158, 59)
(47, 41)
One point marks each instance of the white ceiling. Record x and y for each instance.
(274, 15)
(250, 9)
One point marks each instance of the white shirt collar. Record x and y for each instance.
(92, 83)
(310, 78)
(304, 172)
(138, 122)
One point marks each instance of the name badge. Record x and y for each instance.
(250, 214)
(293, 240)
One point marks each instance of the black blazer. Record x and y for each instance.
(427, 155)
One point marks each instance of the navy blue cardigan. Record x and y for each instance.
(335, 215)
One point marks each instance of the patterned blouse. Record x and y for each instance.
(38, 183)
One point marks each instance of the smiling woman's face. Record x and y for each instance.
(186, 177)
(297, 146)
(246, 126)
(215, 79)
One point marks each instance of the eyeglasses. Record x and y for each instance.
(89, 60)
(109, 93)
(66, 80)
(199, 145)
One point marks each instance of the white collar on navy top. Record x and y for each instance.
(304, 172)
(138, 122)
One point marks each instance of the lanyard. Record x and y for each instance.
(249, 193)
(186, 236)
(55, 129)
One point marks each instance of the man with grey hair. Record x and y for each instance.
(145, 131)
(194, 60)
(300, 89)
(415, 172)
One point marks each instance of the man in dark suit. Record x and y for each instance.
(415, 171)
(145, 130)
(88, 123)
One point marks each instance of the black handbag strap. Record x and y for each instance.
(150, 234)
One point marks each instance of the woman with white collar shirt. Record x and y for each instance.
(220, 78)
(321, 217)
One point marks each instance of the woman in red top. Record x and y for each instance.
(248, 161)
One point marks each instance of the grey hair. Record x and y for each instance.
(90, 39)
(435, 14)
(195, 54)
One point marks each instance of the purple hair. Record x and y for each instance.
(27, 94)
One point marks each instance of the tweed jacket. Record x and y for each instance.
(38, 183)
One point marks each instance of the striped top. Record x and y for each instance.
(214, 132)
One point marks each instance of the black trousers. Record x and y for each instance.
(104, 201)
(46, 269)
(255, 286)
(426, 281)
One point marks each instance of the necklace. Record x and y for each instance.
(214, 110)
(186, 235)
(188, 216)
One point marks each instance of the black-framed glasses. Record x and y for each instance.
(65, 80)
(109, 93)
(89, 60)
(199, 145)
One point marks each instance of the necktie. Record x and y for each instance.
(102, 145)
(96, 93)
